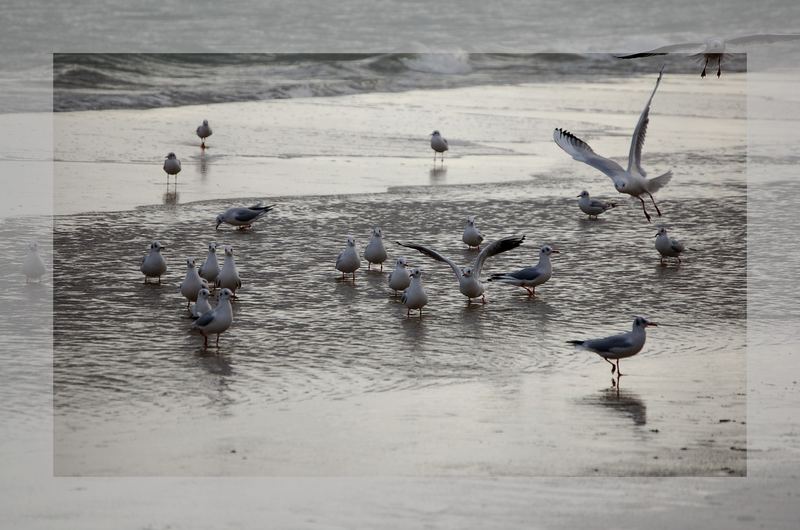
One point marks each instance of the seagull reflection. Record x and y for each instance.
(214, 364)
(202, 167)
(171, 195)
(623, 402)
(437, 175)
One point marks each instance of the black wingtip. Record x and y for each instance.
(575, 342)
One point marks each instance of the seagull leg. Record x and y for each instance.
(619, 374)
(483, 299)
(703, 73)
(719, 66)
(354, 276)
(381, 267)
(369, 265)
(645, 210)
(217, 340)
(654, 203)
(205, 341)
(613, 368)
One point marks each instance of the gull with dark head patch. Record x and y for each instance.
(242, 218)
(529, 277)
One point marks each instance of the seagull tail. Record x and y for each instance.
(498, 277)
(655, 184)
(612, 204)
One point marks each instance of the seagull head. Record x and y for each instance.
(662, 231)
(435, 133)
(351, 241)
(203, 293)
(401, 262)
(415, 273)
(220, 220)
(225, 293)
(715, 45)
(620, 186)
(171, 155)
(584, 193)
(229, 250)
(33, 246)
(156, 245)
(377, 232)
(212, 247)
(189, 263)
(205, 122)
(466, 272)
(641, 322)
(470, 220)
(546, 250)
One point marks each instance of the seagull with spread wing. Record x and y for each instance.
(469, 278)
(714, 48)
(632, 180)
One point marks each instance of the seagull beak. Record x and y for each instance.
(578, 196)
(651, 324)
(555, 252)
(217, 227)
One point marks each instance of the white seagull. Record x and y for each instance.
(209, 270)
(633, 180)
(204, 131)
(228, 277)
(668, 247)
(153, 263)
(202, 305)
(439, 145)
(348, 261)
(618, 346)
(33, 266)
(469, 278)
(242, 218)
(375, 252)
(714, 48)
(399, 279)
(471, 236)
(593, 207)
(529, 277)
(192, 283)
(218, 320)
(172, 166)
(415, 297)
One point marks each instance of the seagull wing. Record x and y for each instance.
(435, 255)
(580, 151)
(639, 133)
(676, 245)
(664, 50)
(763, 39)
(527, 274)
(205, 319)
(614, 344)
(246, 215)
(494, 248)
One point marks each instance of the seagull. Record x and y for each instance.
(218, 320)
(439, 145)
(593, 207)
(33, 266)
(529, 277)
(415, 297)
(172, 166)
(154, 264)
(472, 236)
(618, 346)
(713, 48)
(399, 279)
(348, 261)
(192, 283)
(375, 251)
(204, 131)
(633, 180)
(469, 278)
(209, 270)
(202, 305)
(243, 217)
(228, 277)
(668, 247)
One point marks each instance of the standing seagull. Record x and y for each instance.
(209, 270)
(471, 236)
(242, 218)
(204, 131)
(633, 180)
(668, 247)
(375, 252)
(439, 145)
(469, 278)
(172, 166)
(348, 261)
(192, 283)
(618, 346)
(713, 48)
(33, 266)
(228, 277)
(399, 279)
(202, 305)
(529, 277)
(218, 320)
(153, 264)
(593, 207)
(415, 297)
